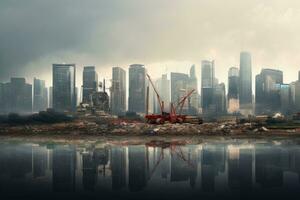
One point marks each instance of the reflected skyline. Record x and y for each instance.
(237, 167)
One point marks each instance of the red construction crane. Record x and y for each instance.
(172, 117)
(161, 103)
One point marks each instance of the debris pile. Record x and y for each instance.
(124, 128)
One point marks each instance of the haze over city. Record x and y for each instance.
(163, 35)
(149, 99)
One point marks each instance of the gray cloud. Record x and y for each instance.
(36, 33)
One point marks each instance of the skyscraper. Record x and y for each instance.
(40, 95)
(90, 83)
(64, 97)
(285, 99)
(245, 90)
(219, 99)
(163, 87)
(1, 97)
(118, 91)
(193, 84)
(267, 94)
(137, 88)
(17, 96)
(50, 97)
(179, 83)
(233, 89)
(295, 96)
(207, 85)
(5, 98)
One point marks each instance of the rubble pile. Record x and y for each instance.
(111, 127)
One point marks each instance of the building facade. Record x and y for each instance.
(40, 95)
(245, 90)
(118, 91)
(64, 94)
(16, 96)
(193, 101)
(163, 88)
(137, 88)
(220, 99)
(179, 87)
(233, 90)
(208, 82)
(285, 98)
(267, 92)
(295, 96)
(89, 83)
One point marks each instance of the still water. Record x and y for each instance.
(209, 169)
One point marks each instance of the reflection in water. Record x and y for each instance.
(234, 168)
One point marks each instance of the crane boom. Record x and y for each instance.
(181, 102)
(161, 104)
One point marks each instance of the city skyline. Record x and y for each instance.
(271, 93)
(119, 34)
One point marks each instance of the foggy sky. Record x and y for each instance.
(165, 35)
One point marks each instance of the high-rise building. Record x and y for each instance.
(179, 88)
(285, 100)
(118, 91)
(179, 83)
(64, 97)
(207, 85)
(40, 95)
(90, 83)
(267, 94)
(137, 88)
(163, 88)
(245, 89)
(1, 97)
(295, 96)
(17, 96)
(220, 99)
(193, 84)
(5, 98)
(233, 89)
(50, 97)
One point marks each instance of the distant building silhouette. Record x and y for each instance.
(50, 97)
(208, 83)
(40, 95)
(118, 91)
(219, 99)
(245, 90)
(89, 83)
(193, 101)
(267, 92)
(295, 96)
(163, 87)
(233, 89)
(137, 88)
(16, 96)
(179, 85)
(64, 94)
(285, 98)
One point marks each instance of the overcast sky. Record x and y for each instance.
(165, 35)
